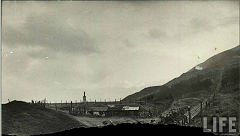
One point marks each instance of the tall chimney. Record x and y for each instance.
(84, 97)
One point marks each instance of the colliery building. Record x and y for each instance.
(123, 110)
(108, 109)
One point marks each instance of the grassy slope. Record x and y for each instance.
(197, 82)
(23, 118)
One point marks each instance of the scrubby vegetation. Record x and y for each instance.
(23, 118)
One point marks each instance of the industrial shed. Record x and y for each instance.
(123, 110)
(98, 111)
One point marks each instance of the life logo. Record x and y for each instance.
(224, 125)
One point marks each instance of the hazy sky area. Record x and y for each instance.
(57, 50)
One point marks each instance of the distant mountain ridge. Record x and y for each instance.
(199, 81)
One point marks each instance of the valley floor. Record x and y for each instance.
(102, 121)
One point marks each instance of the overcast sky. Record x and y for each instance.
(57, 50)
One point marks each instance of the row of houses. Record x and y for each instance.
(110, 110)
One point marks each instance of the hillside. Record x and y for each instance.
(22, 118)
(219, 73)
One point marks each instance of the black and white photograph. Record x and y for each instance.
(79, 65)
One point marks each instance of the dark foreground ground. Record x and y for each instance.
(134, 129)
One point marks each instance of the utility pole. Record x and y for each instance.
(189, 114)
(56, 106)
(201, 112)
(71, 107)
